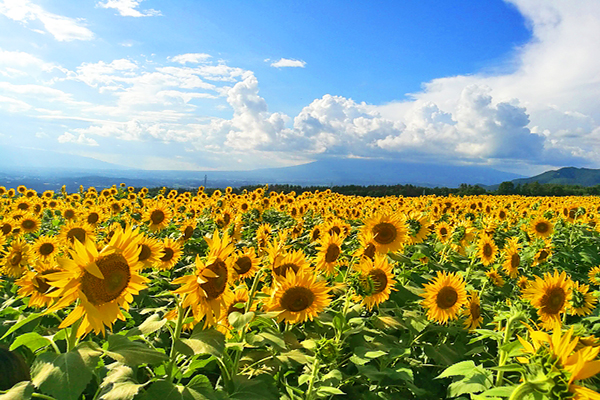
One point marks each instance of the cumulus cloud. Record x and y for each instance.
(61, 27)
(128, 8)
(81, 139)
(193, 58)
(286, 62)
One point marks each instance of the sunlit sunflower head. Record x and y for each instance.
(495, 277)
(541, 227)
(389, 231)
(151, 250)
(30, 223)
(337, 227)
(158, 215)
(512, 259)
(245, 263)
(550, 295)
(329, 251)
(93, 215)
(444, 297)
(8, 226)
(16, 258)
(487, 250)
(46, 248)
(594, 276)
(443, 231)
(472, 312)
(236, 302)
(36, 287)
(299, 297)
(171, 253)
(187, 229)
(418, 227)
(542, 256)
(376, 280)
(104, 282)
(583, 301)
(69, 212)
(367, 245)
(263, 235)
(293, 261)
(76, 232)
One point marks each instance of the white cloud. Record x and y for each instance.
(193, 58)
(61, 27)
(81, 139)
(128, 8)
(13, 105)
(286, 62)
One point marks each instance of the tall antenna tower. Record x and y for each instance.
(205, 177)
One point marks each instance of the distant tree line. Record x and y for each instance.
(505, 188)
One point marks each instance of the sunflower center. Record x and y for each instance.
(216, 286)
(502, 215)
(446, 297)
(475, 310)
(541, 227)
(487, 250)
(284, 268)
(188, 232)
(116, 274)
(553, 301)
(578, 299)
(46, 249)
(145, 253)
(92, 218)
(543, 255)
(28, 224)
(169, 253)
(379, 279)
(40, 283)
(16, 258)
(443, 231)
(157, 217)
(316, 234)
(385, 233)
(69, 214)
(6, 228)
(515, 260)
(297, 299)
(335, 229)
(333, 252)
(23, 206)
(76, 233)
(370, 251)
(243, 265)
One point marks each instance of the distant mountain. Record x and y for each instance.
(565, 176)
(73, 171)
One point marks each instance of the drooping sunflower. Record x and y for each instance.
(550, 295)
(444, 297)
(389, 231)
(245, 263)
(104, 282)
(35, 285)
(187, 229)
(583, 302)
(206, 291)
(495, 277)
(299, 297)
(377, 280)
(512, 259)
(330, 249)
(292, 261)
(263, 235)
(367, 245)
(46, 248)
(158, 215)
(487, 250)
(541, 227)
(472, 312)
(171, 250)
(76, 232)
(418, 227)
(16, 258)
(542, 256)
(594, 275)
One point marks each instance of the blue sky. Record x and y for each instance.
(241, 85)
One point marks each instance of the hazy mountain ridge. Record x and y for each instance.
(565, 176)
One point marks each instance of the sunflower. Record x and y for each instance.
(315, 233)
(472, 312)
(330, 248)
(293, 261)
(377, 280)
(34, 284)
(158, 215)
(76, 232)
(418, 227)
(245, 263)
(495, 277)
(299, 297)
(171, 254)
(187, 229)
(541, 256)
(487, 250)
(151, 251)
(69, 212)
(16, 258)
(367, 245)
(263, 235)
(512, 259)
(582, 302)
(540, 227)
(207, 290)
(237, 302)
(30, 223)
(8, 225)
(104, 282)
(444, 297)
(93, 215)
(46, 248)
(389, 232)
(443, 231)
(550, 295)
(594, 275)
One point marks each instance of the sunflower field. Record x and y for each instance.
(116, 294)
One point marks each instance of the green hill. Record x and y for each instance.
(565, 176)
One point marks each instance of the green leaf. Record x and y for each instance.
(261, 387)
(509, 368)
(274, 340)
(131, 352)
(21, 391)
(65, 376)
(464, 368)
(165, 390)
(473, 384)
(19, 324)
(203, 342)
(119, 383)
(150, 325)
(375, 354)
(502, 391)
(239, 320)
(324, 391)
(32, 340)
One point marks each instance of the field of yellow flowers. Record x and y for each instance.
(116, 294)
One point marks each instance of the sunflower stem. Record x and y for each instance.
(503, 354)
(72, 337)
(174, 338)
(313, 377)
